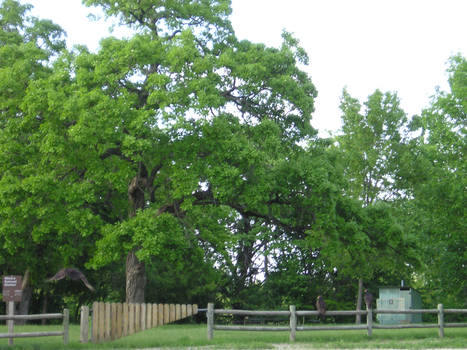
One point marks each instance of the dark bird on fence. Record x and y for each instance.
(321, 306)
(73, 274)
(368, 299)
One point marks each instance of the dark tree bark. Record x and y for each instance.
(135, 278)
(136, 269)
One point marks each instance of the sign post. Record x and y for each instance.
(11, 292)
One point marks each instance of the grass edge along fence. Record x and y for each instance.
(10, 335)
(293, 313)
(112, 321)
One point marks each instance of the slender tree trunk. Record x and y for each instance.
(136, 269)
(358, 318)
(44, 309)
(23, 306)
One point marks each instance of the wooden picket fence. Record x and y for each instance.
(115, 320)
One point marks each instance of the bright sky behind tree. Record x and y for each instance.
(395, 45)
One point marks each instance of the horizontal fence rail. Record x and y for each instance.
(293, 313)
(30, 317)
(112, 321)
(65, 333)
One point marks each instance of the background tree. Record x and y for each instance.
(371, 147)
(436, 177)
(32, 215)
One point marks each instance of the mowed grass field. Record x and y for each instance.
(192, 336)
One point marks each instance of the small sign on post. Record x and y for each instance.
(11, 288)
(11, 291)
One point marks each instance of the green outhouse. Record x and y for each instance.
(398, 298)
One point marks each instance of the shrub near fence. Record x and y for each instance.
(115, 320)
(293, 313)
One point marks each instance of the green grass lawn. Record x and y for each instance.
(179, 336)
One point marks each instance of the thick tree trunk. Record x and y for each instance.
(135, 269)
(135, 278)
(358, 318)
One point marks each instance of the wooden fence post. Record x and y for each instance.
(441, 320)
(84, 324)
(293, 322)
(11, 323)
(210, 317)
(369, 321)
(66, 326)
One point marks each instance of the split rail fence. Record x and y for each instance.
(112, 321)
(12, 318)
(292, 314)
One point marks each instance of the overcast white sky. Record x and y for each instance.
(393, 45)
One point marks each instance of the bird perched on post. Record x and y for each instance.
(368, 299)
(321, 307)
(73, 274)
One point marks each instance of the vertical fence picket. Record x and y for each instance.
(189, 310)
(101, 334)
(108, 321)
(131, 318)
(178, 312)
(171, 313)
(166, 314)
(84, 324)
(95, 322)
(137, 318)
(148, 316)
(155, 314)
(113, 324)
(126, 319)
(144, 308)
(119, 330)
(160, 318)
